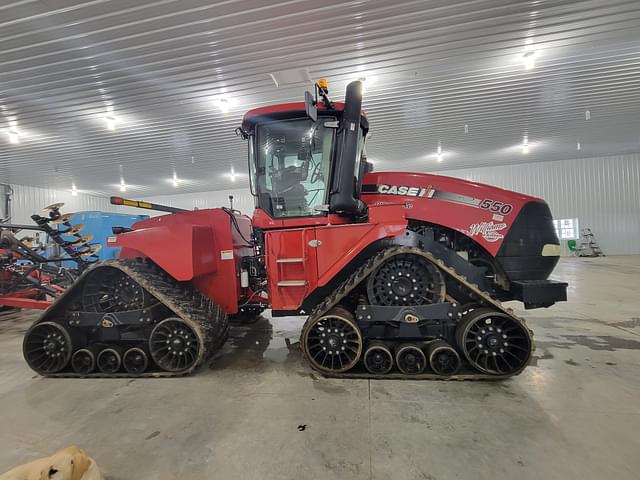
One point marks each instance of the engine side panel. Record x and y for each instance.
(481, 212)
(301, 260)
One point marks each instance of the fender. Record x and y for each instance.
(198, 246)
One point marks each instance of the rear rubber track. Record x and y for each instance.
(205, 317)
(360, 275)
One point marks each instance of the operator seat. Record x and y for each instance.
(291, 193)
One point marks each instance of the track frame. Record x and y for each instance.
(472, 290)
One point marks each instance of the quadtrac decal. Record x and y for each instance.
(490, 231)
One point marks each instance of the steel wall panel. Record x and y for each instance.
(28, 200)
(431, 68)
(242, 200)
(602, 192)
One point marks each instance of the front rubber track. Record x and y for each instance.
(481, 298)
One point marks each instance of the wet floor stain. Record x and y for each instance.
(17, 321)
(633, 323)
(546, 355)
(593, 342)
(572, 362)
(612, 267)
(326, 387)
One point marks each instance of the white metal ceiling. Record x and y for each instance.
(432, 68)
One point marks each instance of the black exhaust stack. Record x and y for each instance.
(343, 190)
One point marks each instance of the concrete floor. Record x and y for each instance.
(574, 413)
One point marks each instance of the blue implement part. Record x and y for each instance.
(99, 224)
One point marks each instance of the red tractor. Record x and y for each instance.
(399, 274)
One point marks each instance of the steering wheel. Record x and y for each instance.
(316, 174)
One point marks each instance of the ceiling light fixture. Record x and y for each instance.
(366, 81)
(440, 155)
(525, 144)
(175, 179)
(587, 115)
(232, 174)
(110, 118)
(14, 136)
(529, 55)
(123, 186)
(225, 103)
(529, 60)
(74, 190)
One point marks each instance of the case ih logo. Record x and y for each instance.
(488, 230)
(406, 191)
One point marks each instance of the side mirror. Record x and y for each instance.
(310, 106)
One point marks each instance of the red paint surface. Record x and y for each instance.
(453, 215)
(191, 246)
(188, 245)
(25, 297)
(20, 301)
(336, 246)
(287, 107)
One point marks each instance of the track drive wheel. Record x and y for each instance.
(47, 347)
(333, 342)
(493, 342)
(174, 345)
(406, 280)
(108, 289)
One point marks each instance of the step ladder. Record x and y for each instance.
(588, 246)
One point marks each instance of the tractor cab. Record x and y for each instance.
(305, 157)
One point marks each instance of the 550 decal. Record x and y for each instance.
(495, 206)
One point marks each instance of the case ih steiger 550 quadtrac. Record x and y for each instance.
(399, 274)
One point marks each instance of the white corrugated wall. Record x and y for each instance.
(603, 193)
(242, 200)
(29, 200)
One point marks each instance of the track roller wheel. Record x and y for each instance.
(410, 359)
(378, 359)
(109, 360)
(47, 347)
(443, 359)
(83, 361)
(135, 360)
(333, 342)
(493, 342)
(174, 345)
